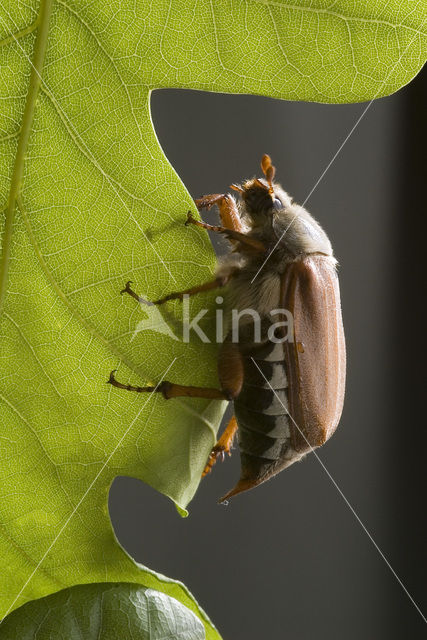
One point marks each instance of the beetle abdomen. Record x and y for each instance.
(261, 409)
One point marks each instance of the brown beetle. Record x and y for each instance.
(288, 389)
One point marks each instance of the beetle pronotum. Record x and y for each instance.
(287, 393)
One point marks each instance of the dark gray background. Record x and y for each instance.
(289, 559)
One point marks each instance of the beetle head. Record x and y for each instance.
(261, 196)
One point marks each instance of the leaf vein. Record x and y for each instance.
(341, 16)
(20, 34)
(36, 358)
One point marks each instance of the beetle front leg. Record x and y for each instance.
(231, 234)
(228, 211)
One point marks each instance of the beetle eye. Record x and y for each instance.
(277, 204)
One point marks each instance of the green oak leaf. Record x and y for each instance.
(103, 612)
(89, 202)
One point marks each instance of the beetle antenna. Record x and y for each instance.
(268, 170)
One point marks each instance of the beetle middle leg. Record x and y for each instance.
(230, 387)
(179, 295)
(230, 371)
(172, 390)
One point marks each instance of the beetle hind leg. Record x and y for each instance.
(223, 446)
(230, 373)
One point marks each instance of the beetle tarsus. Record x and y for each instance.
(134, 295)
(223, 446)
(111, 379)
(127, 288)
(190, 219)
(207, 202)
(217, 452)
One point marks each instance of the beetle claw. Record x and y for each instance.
(190, 219)
(218, 451)
(127, 287)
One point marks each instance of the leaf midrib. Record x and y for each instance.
(27, 120)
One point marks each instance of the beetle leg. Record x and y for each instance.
(171, 390)
(223, 446)
(231, 234)
(206, 286)
(178, 295)
(230, 373)
(228, 211)
(132, 293)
